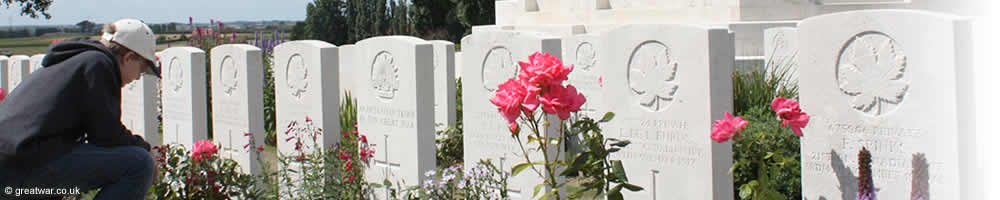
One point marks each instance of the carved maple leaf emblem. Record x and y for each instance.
(871, 71)
(652, 78)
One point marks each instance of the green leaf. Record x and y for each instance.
(615, 193)
(622, 143)
(537, 188)
(550, 193)
(769, 154)
(631, 187)
(745, 191)
(607, 117)
(619, 170)
(518, 168)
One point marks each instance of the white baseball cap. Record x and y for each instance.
(138, 37)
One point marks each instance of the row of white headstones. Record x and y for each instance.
(895, 81)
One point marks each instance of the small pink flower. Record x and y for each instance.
(355, 133)
(247, 134)
(260, 148)
(343, 134)
(562, 101)
(203, 150)
(542, 71)
(790, 114)
(726, 128)
(350, 179)
(246, 146)
(512, 97)
(308, 119)
(364, 139)
(3, 94)
(347, 166)
(343, 156)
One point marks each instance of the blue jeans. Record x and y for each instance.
(122, 172)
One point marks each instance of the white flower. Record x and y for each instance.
(430, 173)
(461, 184)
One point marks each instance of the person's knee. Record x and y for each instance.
(142, 162)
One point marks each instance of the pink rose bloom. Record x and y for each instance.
(542, 71)
(790, 114)
(728, 127)
(512, 97)
(562, 101)
(203, 150)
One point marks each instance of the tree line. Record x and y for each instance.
(347, 21)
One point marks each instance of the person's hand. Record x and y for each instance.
(156, 167)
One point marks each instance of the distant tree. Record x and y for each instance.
(474, 12)
(381, 17)
(400, 18)
(435, 19)
(32, 8)
(86, 26)
(325, 20)
(299, 31)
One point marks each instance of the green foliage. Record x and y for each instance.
(299, 31)
(592, 168)
(32, 8)
(756, 88)
(474, 12)
(399, 24)
(483, 181)
(435, 20)
(180, 177)
(269, 107)
(766, 161)
(326, 21)
(450, 150)
(332, 172)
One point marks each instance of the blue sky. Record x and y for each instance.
(160, 11)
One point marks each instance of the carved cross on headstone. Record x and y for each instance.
(652, 174)
(388, 167)
(513, 193)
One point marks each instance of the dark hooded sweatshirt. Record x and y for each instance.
(75, 98)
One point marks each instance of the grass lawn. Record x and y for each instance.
(39, 45)
(30, 45)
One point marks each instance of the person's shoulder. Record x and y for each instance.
(93, 56)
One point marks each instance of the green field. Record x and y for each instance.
(39, 45)
(29, 45)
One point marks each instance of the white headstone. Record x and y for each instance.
(395, 107)
(668, 83)
(781, 48)
(444, 84)
(139, 108)
(896, 82)
(582, 52)
(185, 103)
(36, 62)
(348, 64)
(19, 69)
(4, 63)
(238, 102)
(306, 85)
(490, 58)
